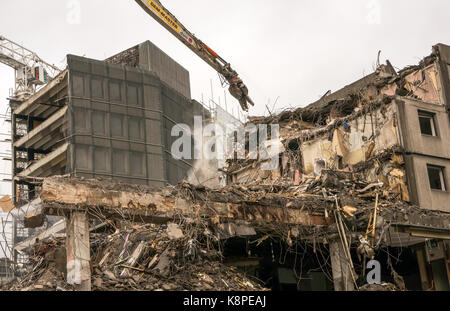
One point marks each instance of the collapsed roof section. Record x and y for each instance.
(388, 127)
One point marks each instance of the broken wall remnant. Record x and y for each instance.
(148, 56)
(389, 130)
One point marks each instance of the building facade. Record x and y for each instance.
(102, 119)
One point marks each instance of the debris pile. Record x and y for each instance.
(143, 257)
(184, 251)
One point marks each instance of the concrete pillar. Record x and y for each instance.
(342, 273)
(421, 261)
(78, 251)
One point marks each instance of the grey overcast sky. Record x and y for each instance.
(292, 49)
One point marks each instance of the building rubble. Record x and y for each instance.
(181, 248)
(141, 257)
(363, 176)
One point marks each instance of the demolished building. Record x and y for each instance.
(364, 175)
(388, 128)
(110, 119)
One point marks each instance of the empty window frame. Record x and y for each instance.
(436, 176)
(427, 123)
(101, 160)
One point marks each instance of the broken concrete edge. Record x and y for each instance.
(305, 135)
(57, 229)
(62, 195)
(383, 76)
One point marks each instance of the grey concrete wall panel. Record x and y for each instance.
(444, 66)
(414, 140)
(169, 71)
(120, 120)
(426, 197)
(422, 150)
(109, 122)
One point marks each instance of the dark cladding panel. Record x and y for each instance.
(78, 85)
(85, 175)
(81, 120)
(137, 164)
(102, 160)
(154, 132)
(177, 171)
(82, 157)
(152, 101)
(99, 123)
(99, 69)
(77, 63)
(168, 70)
(122, 119)
(136, 147)
(115, 93)
(81, 103)
(132, 95)
(155, 166)
(97, 88)
(116, 72)
(120, 144)
(133, 75)
(101, 142)
(136, 129)
(120, 162)
(117, 125)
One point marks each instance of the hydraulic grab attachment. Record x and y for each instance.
(237, 87)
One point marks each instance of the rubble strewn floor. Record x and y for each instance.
(165, 263)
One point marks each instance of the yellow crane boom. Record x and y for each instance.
(237, 87)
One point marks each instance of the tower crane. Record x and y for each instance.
(30, 70)
(229, 76)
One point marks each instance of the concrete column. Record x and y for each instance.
(342, 274)
(78, 251)
(421, 261)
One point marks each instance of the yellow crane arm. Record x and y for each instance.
(237, 88)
